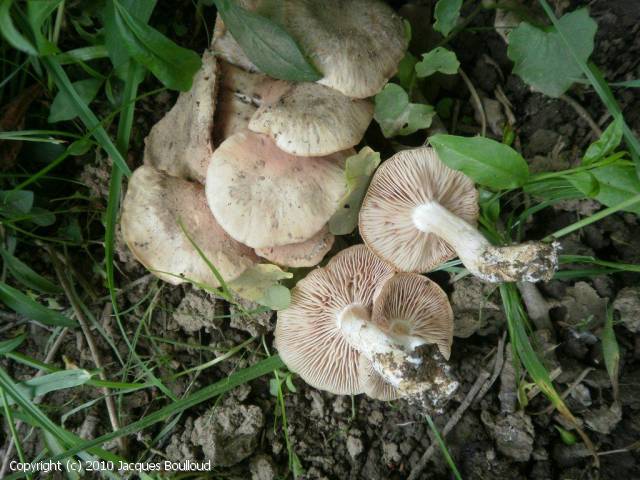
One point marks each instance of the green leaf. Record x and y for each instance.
(437, 60)
(38, 386)
(16, 202)
(406, 71)
(397, 116)
(541, 58)
(611, 351)
(586, 182)
(25, 275)
(606, 144)
(267, 44)
(11, 33)
(10, 345)
(38, 11)
(62, 107)
(260, 284)
(174, 66)
(24, 305)
(617, 184)
(628, 84)
(487, 162)
(567, 437)
(446, 13)
(358, 171)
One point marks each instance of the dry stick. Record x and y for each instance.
(457, 415)
(582, 113)
(476, 100)
(95, 355)
(48, 359)
(497, 368)
(569, 389)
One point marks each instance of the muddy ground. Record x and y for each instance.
(338, 437)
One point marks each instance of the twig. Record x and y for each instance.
(452, 422)
(569, 389)
(497, 368)
(555, 373)
(95, 355)
(48, 359)
(582, 113)
(476, 100)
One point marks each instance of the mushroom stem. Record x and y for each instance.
(388, 356)
(529, 261)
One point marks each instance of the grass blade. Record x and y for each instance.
(611, 352)
(24, 305)
(443, 447)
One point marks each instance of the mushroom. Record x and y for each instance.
(303, 254)
(264, 197)
(152, 210)
(356, 44)
(418, 213)
(180, 143)
(311, 120)
(331, 339)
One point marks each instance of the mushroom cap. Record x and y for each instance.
(241, 94)
(152, 207)
(307, 335)
(181, 143)
(410, 304)
(409, 179)
(303, 254)
(313, 120)
(356, 44)
(264, 197)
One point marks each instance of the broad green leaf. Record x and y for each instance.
(585, 182)
(358, 171)
(397, 116)
(116, 49)
(16, 202)
(611, 351)
(174, 66)
(485, 161)
(437, 60)
(62, 107)
(38, 386)
(25, 275)
(260, 284)
(267, 44)
(10, 345)
(446, 13)
(11, 33)
(42, 217)
(542, 59)
(607, 143)
(617, 184)
(24, 305)
(553, 189)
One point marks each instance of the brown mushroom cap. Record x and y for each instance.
(303, 254)
(356, 44)
(154, 204)
(408, 179)
(264, 197)
(180, 143)
(309, 119)
(307, 334)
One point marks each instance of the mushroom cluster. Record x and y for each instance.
(249, 167)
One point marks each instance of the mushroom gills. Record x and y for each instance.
(529, 261)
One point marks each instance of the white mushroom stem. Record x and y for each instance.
(391, 356)
(530, 261)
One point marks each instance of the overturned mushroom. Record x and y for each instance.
(356, 44)
(418, 213)
(311, 120)
(329, 337)
(152, 210)
(264, 197)
(303, 254)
